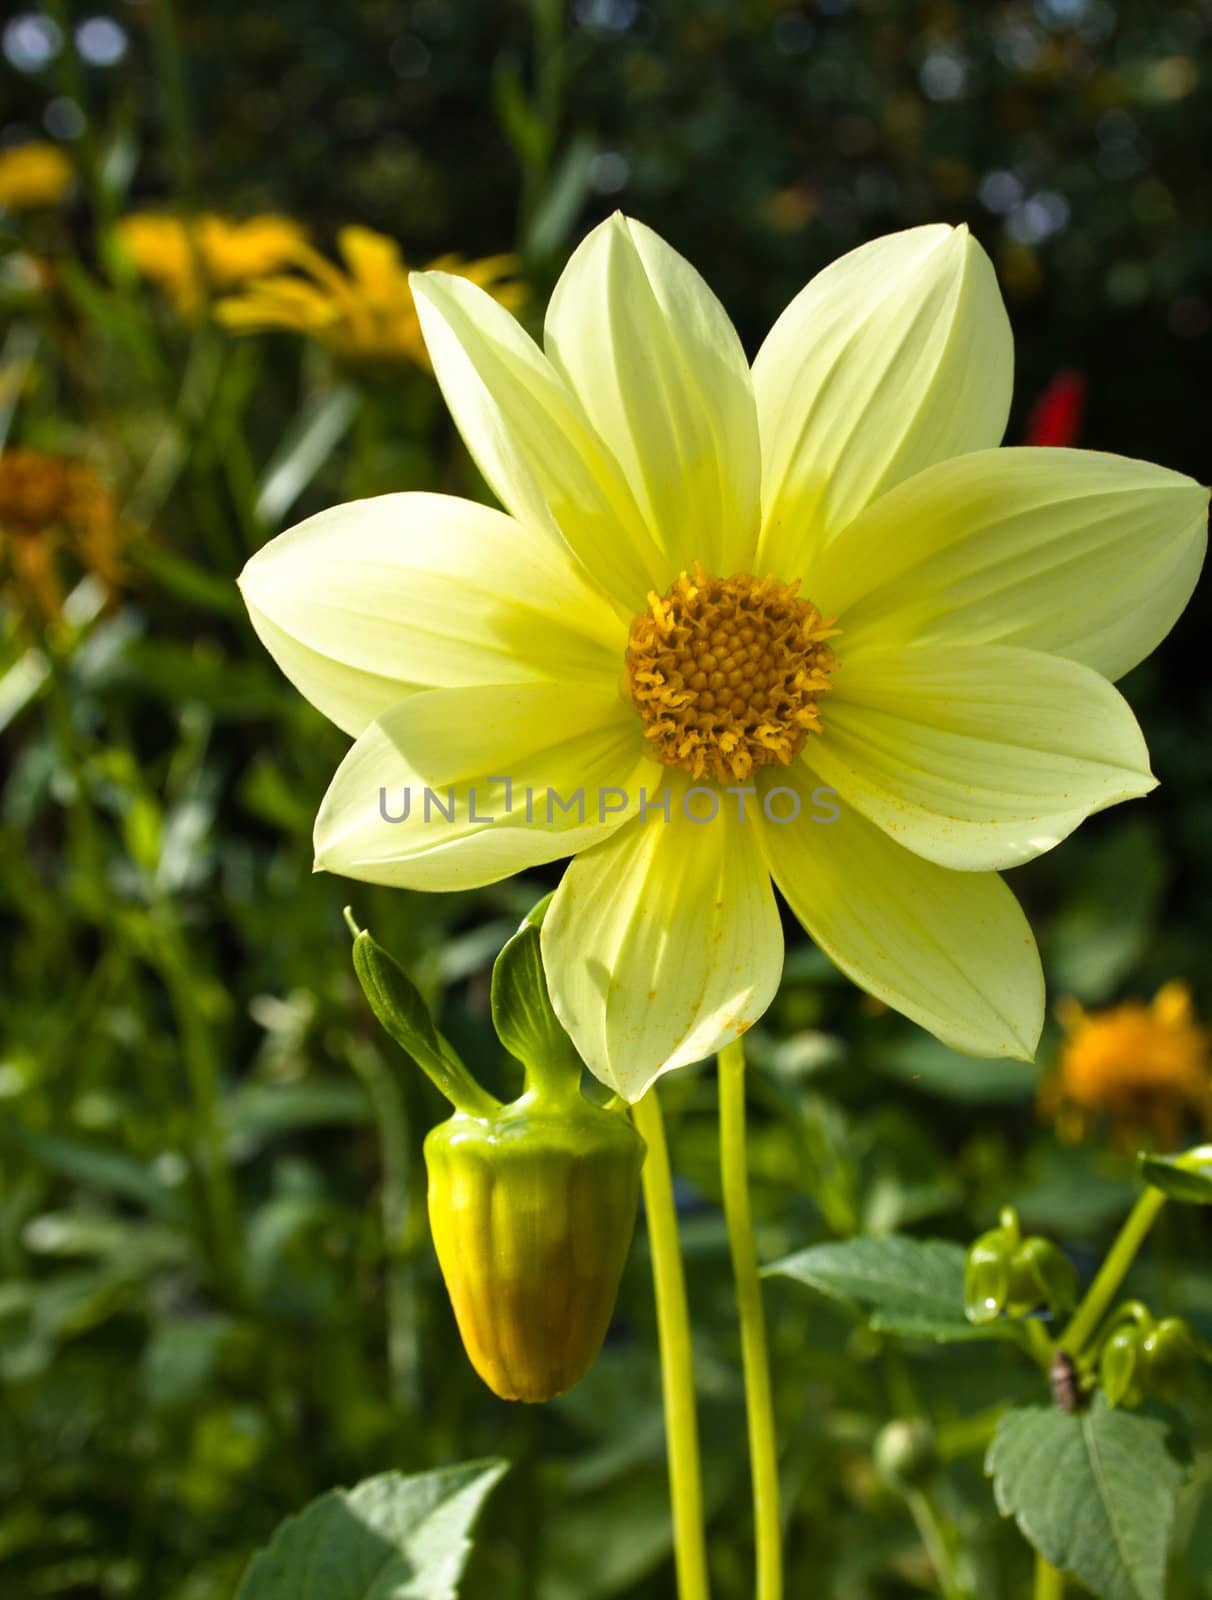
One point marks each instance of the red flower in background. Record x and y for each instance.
(1057, 416)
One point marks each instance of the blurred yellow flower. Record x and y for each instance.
(365, 312)
(33, 175)
(214, 254)
(1141, 1071)
(50, 504)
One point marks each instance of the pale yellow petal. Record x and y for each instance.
(895, 356)
(981, 756)
(454, 788)
(950, 950)
(530, 437)
(1082, 554)
(361, 604)
(662, 374)
(663, 944)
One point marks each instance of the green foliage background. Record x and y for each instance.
(218, 1297)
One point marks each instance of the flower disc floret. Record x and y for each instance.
(725, 673)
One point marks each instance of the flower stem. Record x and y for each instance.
(1049, 1583)
(932, 1531)
(763, 1447)
(677, 1371)
(395, 1209)
(200, 1056)
(1112, 1272)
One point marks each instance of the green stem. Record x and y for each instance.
(932, 1531)
(547, 18)
(202, 1071)
(969, 1436)
(1037, 1343)
(1049, 1583)
(395, 1208)
(71, 82)
(170, 66)
(677, 1368)
(763, 1446)
(1112, 1272)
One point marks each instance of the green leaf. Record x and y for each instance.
(1110, 911)
(1187, 1177)
(310, 439)
(523, 126)
(392, 1538)
(931, 1068)
(908, 1286)
(184, 578)
(95, 1166)
(1093, 1493)
(564, 198)
(258, 1112)
(522, 1012)
(180, 674)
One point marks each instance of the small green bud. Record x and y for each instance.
(1119, 1365)
(1041, 1274)
(987, 1276)
(1170, 1356)
(532, 1214)
(906, 1454)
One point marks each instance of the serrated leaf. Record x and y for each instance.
(1093, 1493)
(908, 1286)
(1187, 1178)
(394, 1537)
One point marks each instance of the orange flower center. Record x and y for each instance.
(725, 673)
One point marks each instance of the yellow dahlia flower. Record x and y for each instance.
(1143, 1071)
(33, 175)
(214, 253)
(366, 312)
(802, 621)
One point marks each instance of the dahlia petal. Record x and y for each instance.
(362, 604)
(978, 757)
(897, 355)
(950, 950)
(530, 437)
(1078, 553)
(662, 375)
(455, 788)
(663, 944)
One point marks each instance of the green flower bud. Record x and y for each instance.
(987, 1269)
(906, 1454)
(987, 1276)
(1041, 1274)
(1170, 1355)
(532, 1213)
(1119, 1365)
